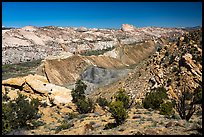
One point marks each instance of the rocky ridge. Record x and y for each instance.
(33, 43)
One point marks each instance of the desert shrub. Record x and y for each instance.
(4, 97)
(18, 113)
(70, 116)
(118, 108)
(175, 116)
(78, 92)
(186, 39)
(175, 69)
(64, 125)
(97, 52)
(110, 126)
(154, 98)
(172, 59)
(6, 118)
(26, 110)
(118, 111)
(102, 102)
(122, 96)
(167, 53)
(187, 102)
(166, 108)
(85, 106)
(197, 58)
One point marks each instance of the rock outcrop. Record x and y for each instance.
(178, 65)
(38, 85)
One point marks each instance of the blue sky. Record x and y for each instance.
(102, 14)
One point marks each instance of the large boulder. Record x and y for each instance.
(18, 81)
(59, 95)
(36, 84)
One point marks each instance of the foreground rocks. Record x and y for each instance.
(37, 85)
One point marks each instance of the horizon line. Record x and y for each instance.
(69, 26)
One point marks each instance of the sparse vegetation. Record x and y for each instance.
(172, 59)
(64, 125)
(118, 108)
(97, 52)
(154, 98)
(110, 126)
(78, 93)
(123, 97)
(102, 102)
(18, 113)
(20, 69)
(166, 108)
(83, 105)
(70, 116)
(187, 102)
(118, 111)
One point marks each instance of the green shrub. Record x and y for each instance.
(118, 108)
(175, 116)
(166, 108)
(64, 125)
(110, 126)
(172, 59)
(187, 102)
(78, 92)
(70, 116)
(85, 106)
(122, 96)
(175, 69)
(118, 111)
(102, 102)
(36, 124)
(154, 98)
(6, 118)
(97, 52)
(18, 113)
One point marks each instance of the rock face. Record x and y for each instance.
(34, 43)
